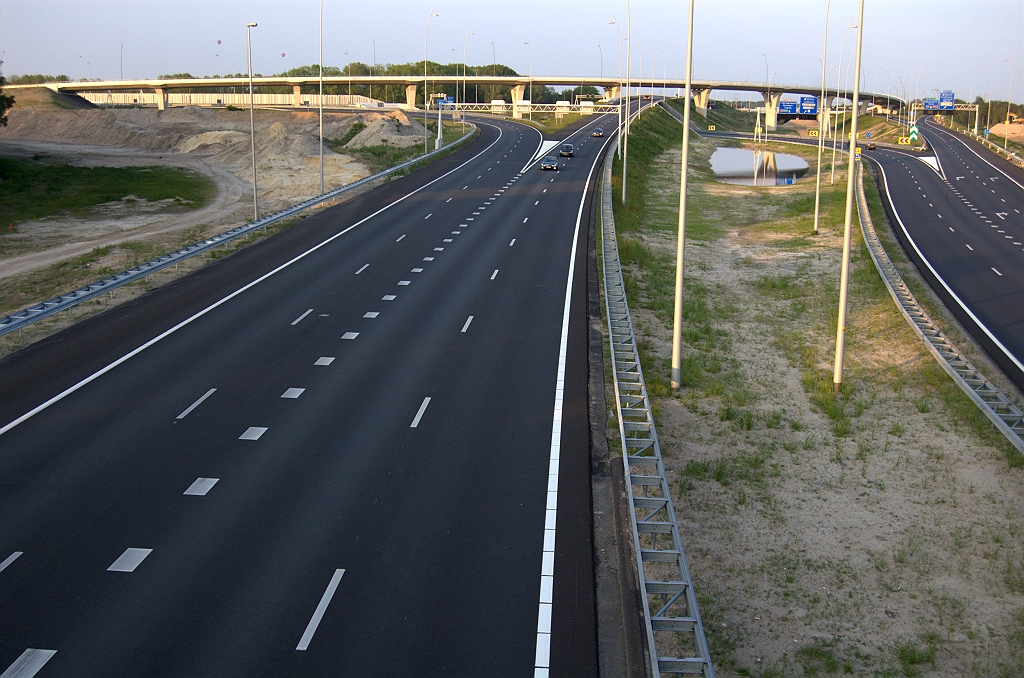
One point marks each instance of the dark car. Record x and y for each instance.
(565, 150)
(549, 163)
(598, 132)
(870, 146)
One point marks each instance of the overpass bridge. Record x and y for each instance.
(519, 85)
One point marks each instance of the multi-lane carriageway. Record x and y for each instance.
(960, 216)
(359, 447)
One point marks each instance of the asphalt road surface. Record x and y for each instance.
(960, 216)
(357, 448)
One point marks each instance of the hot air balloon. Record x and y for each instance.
(282, 53)
(218, 42)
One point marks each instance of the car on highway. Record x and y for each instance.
(565, 150)
(549, 162)
(870, 146)
(598, 132)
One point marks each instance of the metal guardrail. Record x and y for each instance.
(27, 316)
(670, 605)
(1006, 416)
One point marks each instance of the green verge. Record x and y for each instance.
(37, 188)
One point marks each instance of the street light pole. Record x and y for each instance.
(988, 107)
(252, 120)
(821, 115)
(839, 75)
(321, 101)
(844, 279)
(618, 127)
(677, 314)
(425, 98)
(629, 57)
(1009, 99)
(465, 95)
(527, 43)
(600, 53)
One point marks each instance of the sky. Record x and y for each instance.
(949, 44)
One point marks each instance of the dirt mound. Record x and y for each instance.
(393, 130)
(1014, 132)
(43, 98)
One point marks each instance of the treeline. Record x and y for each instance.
(396, 93)
(993, 112)
(37, 79)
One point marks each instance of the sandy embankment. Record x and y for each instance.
(213, 142)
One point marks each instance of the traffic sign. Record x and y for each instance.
(812, 133)
(946, 101)
(931, 104)
(711, 128)
(987, 131)
(856, 151)
(808, 105)
(867, 134)
(903, 141)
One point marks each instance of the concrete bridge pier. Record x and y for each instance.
(613, 92)
(701, 98)
(517, 96)
(410, 97)
(296, 96)
(771, 110)
(824, 118)
(161, 99)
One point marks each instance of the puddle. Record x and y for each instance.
(756, 168)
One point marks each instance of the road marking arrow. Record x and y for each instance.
(1001, 215)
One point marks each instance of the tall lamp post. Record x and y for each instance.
(527, 43)
(677, 314)
(844, 280)
(465, 95)
(629, 57)
(839, 75)
(822, 114)
(1009, 98)
(600, 53)
(618, 127)
(321, 101)
(988, 107)
(426, 97)
(252, 120)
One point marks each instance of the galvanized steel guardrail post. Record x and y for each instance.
(27, 316)
(1006, 416)
(670, 604)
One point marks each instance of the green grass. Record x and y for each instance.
(383, 156)
(33, 189)
(547, 122)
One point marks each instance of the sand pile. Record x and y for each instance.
(1015, 133)
(396, 129)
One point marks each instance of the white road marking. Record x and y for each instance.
(400, 239)
(404, 282)
(544, 191)
(10, 559)
(428, 216)
(951, 229)
(428, 258)
(476, 214)
(969, 247)
(417, 270)
(469, 218)
(362, 269)
(28, 664)
(939, 216)
(200, 487)
(447, 240)
(129, 560)
(495, 274)
(448, 200)
(465, 187)
(419, 413)
(253, 433)
(998, 273)
(512, 243)
(196, 404)
(526, 219)
(536, 203)
(350, 335)
(299, 319)
(324, 361)
(480, 176)
(552, 181)
(321, 607)
(439, 249)
(456, 232)
(466, 326)
(463, 225)
(388, 297)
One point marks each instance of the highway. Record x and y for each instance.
(959, 215)
(359, 447)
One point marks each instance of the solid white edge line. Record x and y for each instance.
(419, 413)
(28, 664)
(938, 277)
(10, 559)
(299, 319)
(196, 403)
(466, 326)
(321, 607)
(542, 660)
(128, 356)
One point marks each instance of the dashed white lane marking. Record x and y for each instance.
(447, 240)
(439, 249)
(371, 314)
(200, 487)
(476, 214)
(448, 200)
(299, 319)
(293, 393)
(469, 218)
(526, 219)
(479, 176)
(362, 269)
(495, 274)
(28, 664)
(969, 247)
(998, 273)
(10, 559)
(196, 404)
(951, 229)
(456, 232)
(552, 181)
(463, 225)
(466, 326)
(419, 413)
(465, 187)
(253, 433)
(428, 258)
(404, 282)
(512, 243)
(417, 270)
(321, 607)
(428, 216)
(388, 297)
(536, 203)
(939, 216)
(324, 361)
(544, 191)
(400, 239)
(129, 560)
(350, 335)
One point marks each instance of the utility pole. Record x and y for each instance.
(821, 116)
(527, 43)
(426, 97)
(618, 127)
(629, 57)
(252, 121)
(839, 75)
(677, 314)
(1009, 98)
(321, 102)
(844, 279)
